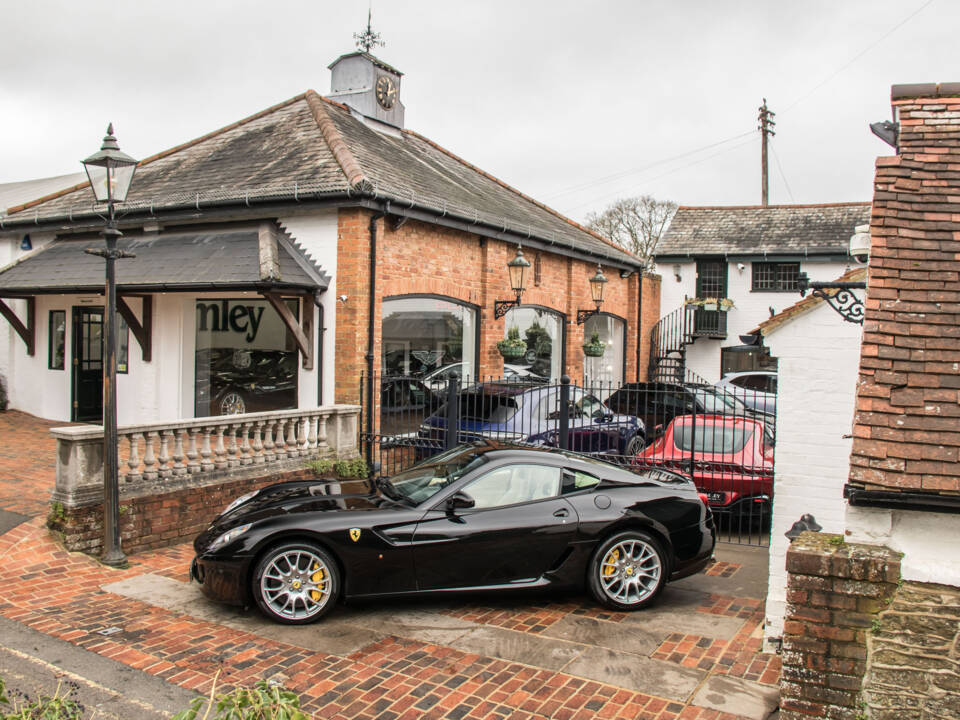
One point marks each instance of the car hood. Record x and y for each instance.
(285, 499)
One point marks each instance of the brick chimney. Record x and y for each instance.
(907, 422)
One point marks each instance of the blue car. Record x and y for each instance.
(517, 412)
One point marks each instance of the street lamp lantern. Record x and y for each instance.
(597, 284)
(517, 270)
(110, 172)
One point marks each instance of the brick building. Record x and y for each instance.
(283, 256)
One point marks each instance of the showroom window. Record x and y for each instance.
(607, 370)
(429, 337)
(246, 358)
(542, 331)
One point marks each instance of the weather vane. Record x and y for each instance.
(368, 39)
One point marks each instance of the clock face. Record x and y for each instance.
(386, 92)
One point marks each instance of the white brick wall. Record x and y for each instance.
(819, 356)
(751, 308)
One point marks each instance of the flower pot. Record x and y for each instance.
(512, 352)
(712, 307)
(594, 349)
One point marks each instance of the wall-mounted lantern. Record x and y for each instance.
(597, 284)
(517, 270)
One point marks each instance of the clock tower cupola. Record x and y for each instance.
(366, 84)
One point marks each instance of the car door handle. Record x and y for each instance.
(562, 512)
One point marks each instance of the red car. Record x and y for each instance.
(730, 460)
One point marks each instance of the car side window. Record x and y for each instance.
(740, 382)
(575, 481)
(591, 407)
(514, 484)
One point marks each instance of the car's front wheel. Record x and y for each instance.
(296, 583)
(233, 403)
(628, 571)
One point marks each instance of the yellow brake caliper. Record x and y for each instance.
(317, 578)
(609, 565)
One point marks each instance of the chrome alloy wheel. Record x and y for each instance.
(630, 571)
(295, 584)
(232, 404)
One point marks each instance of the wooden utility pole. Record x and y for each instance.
(765, 128)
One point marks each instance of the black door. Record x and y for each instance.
(518, 531)
(87, 364)
(711, 283)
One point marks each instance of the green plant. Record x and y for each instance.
(59, 706)
(57, 514)
(356, 468)
(594, 348)
(124, 509)
(513, 346)
(836, 540)
(265, 701)
(321, 467)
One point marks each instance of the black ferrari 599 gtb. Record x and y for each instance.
(478, 517)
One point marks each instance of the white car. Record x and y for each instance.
(756, 388)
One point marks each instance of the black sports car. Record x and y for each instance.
(479, 517)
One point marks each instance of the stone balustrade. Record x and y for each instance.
(183, 453)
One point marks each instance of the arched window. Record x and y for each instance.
(428, 334)
(542, 330)
(608, 369)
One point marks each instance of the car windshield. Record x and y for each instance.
(422, 482)
(711, 438)
(718, 402)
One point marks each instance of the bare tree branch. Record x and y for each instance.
(635, 224)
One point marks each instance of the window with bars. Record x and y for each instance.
(775, 277)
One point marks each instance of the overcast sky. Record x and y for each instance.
(574, 102)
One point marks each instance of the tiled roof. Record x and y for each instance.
(800, 307)
(311, 147)
(774, 230)
(168, 262)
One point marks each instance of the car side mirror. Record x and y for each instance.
(459, 501)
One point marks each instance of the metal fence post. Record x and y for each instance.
(693, 438)
(453, 412)
(564, 411)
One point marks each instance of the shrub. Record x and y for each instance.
(265, 701)
(346, 469)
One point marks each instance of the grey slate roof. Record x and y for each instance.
(164, 262)
(283, 154)
(755, 230)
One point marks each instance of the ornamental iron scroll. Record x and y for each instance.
(839, 295)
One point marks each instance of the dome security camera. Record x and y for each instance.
(860, 244)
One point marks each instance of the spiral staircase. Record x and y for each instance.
(672, 334)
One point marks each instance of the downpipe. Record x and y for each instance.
(370, 331)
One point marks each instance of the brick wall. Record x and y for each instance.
(650, 309)
(907, 432)
(835, 591)
(421, 258)
(159, 520)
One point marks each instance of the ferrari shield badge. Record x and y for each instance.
(354, 534)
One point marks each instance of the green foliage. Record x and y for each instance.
(836, 540)
(59, 706)
(57, 514)
(262, 702)
(347, 469)
(876, 624)
(124, 509)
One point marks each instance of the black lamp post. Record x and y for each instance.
(597, 283)
(517, 269)
(110, 172)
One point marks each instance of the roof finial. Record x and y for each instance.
(368, 39)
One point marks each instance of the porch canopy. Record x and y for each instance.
(261, 259)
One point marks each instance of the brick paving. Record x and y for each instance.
(26, 462)
(59, 593)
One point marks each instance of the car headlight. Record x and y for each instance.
(239, 501)
(228, 537)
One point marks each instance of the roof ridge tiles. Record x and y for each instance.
(855, 203)
(338, 146)
(512, 189)
(167, 152)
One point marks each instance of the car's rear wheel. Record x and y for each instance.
(296, 583)
(628, 571)
(233, 403)
(635, 446)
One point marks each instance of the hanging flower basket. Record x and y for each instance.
(513, 347)
(714, 304)
(594, 348)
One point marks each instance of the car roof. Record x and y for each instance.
(716, 420)
(742, 373)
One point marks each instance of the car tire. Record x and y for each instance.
(634, 446)
(232, 402)
(296, 583)
(628, 570)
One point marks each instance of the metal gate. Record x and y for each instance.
(721, 438)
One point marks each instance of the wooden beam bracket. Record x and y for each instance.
(28, 331)
(302, 335)
(142, 331)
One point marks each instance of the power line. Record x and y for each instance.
(782, 174)
(616, 176)
(858, 55)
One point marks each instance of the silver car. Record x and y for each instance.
(756, 388)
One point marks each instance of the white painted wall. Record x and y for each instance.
(927, 540)
(819, 356)
(751, 308)
(317, 235)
